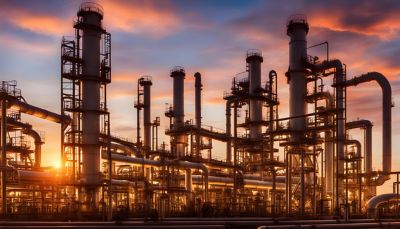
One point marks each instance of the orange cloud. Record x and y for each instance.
(42, 24)
(145, 18)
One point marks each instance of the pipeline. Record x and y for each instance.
(247, 182)
(386, 117)
(177, 163)
(374, 202)
(38, 112)
(368, 140)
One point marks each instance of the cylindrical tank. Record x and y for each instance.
(254, 60)
(178, 74)
(297, 29)
(146, 83)
(89, 21)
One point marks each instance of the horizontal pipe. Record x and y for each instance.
(247, 182)
(38, 112)
(373, 203)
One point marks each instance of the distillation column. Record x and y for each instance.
(90, 23)
(146, 84)
(178, 74)
(198, 87)
(254, 60)
(297, 29)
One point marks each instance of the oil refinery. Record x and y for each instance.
(278, 170)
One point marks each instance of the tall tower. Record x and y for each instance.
(254, 60)
(297, 29)
(178, 74)
(86, 70)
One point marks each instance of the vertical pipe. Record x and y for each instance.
(178, 74)
(228, 132)
(91, 34)
(198, 88)
(254, 60)
(3, 154)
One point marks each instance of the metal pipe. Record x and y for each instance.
(38, 145)
(357, 144)
(367, 125)
(339, 76)
(38, 112)
(254, 60)
(368, 140)
(386, 115)
(228, 132)
(247, 182)
(374, 202)
(3, 154)
(198, 87)
(177, 163)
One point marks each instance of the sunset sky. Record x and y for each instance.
(212, 37)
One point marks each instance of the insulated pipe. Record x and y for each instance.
(254, 60)
(374, 202)
(386, 114)
(38, 112)
(178, 74)
(146, 84)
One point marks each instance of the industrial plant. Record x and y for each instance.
(277, 169)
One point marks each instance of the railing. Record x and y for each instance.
(296, 18)
(91, 7)
(253, 52)
(177, 69)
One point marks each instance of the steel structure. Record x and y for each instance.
(305, 164)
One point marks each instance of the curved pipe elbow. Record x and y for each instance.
(386, 113)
